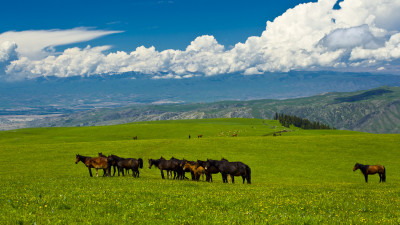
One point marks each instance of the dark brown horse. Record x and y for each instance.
(199, 136)
(130, 164)
(163, 164)
(97, 163)
(230, 168)
(115, 160)
(371, 169)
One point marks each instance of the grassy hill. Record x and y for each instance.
(373, 111)
(303, 176)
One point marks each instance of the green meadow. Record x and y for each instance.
(300, 177)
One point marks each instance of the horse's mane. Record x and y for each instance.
(362, 167)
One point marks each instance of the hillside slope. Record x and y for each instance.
(374, 111)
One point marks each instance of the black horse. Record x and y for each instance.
(163, 164)
(210, 170)
(130, 164)
(371, 169)
(230, 168)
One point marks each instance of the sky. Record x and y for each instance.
(176, 39)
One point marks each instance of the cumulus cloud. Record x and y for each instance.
(311, 35)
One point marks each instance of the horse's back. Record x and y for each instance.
(372, 169)
(99, 162)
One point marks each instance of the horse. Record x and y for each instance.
(97, 163)
(234, 135)
(371, 169)
(130, 163)
(115, 159)
(199, 136)
(105, 172)
(179, 172)
(230, 168)
(135, 138)
(163, 164)
(197, 170)
(211, 170)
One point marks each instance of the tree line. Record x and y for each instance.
(287, 120)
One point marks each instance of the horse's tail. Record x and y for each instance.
(248, 174)
(384, 174)
(140, 163)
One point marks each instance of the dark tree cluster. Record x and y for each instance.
(287, 120)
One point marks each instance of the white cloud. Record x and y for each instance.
(311, 35)
(32, 43)
(7, 50)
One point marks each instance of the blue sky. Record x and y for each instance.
(165, 24)
(184, 38)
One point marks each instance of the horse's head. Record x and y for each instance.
(77, 159)
(209, 163)
(150, 163)
(186, 166)
(356, 167)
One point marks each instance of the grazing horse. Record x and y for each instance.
(97, 163)
(199, 136)
(234, 135)
(130, 164)
(371, 169)
(135, 138)
(163, 164)
(230, 168)
(197, 170)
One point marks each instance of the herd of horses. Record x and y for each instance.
(107, 162)
(175, 168)
(179, 167)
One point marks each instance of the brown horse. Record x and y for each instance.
(197, 170)
(97, 163)
(371, 169)
(135, 138)
(199, 136)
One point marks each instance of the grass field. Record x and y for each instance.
(301, 177)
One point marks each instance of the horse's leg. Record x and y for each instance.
(162, 174)
(90, 172)
(244, 178)
(224, 178)
(366, 178)
(380, 177)
(233, 179)
(97, 172)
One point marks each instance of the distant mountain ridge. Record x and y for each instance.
(374, 111)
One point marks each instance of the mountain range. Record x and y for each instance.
(375, 111)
